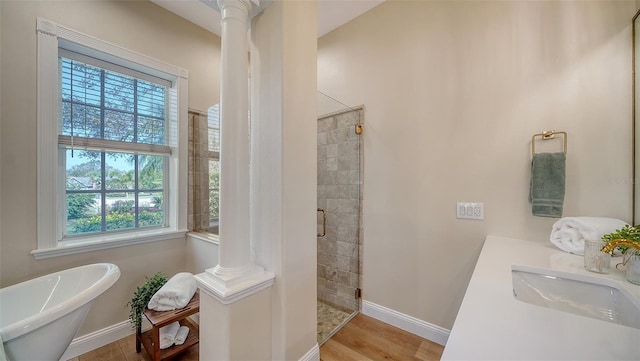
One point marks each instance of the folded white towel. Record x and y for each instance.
(174, 294)
(569, 233)
(168, 335)
(183, 332)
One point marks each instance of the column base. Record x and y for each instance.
(228, 287)
(236, 332)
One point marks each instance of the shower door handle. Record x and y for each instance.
(324, 222)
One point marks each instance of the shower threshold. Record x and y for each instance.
(331, 320)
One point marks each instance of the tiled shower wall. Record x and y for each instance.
(339, 193)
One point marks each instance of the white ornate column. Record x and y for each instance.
(234, 252)
(235, 295)
(243, 317)
(236, 274)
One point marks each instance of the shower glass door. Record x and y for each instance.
(339, 214)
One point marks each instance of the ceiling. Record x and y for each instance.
(331, 13)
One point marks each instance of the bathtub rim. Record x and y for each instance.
(26, 325)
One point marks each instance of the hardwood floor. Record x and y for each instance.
(367, 339)
(125, 350)
(362, 339)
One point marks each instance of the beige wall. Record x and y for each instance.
(200, 255)
(453, 92)
(140, 26)
(283, 203)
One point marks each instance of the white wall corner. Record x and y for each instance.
(312, 355)
(413, 325)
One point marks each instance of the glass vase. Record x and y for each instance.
(594, 259)
(633, 267)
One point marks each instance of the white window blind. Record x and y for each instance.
(98, 103)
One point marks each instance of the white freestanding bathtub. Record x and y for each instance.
(40, 317)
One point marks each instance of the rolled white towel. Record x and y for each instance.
(183, 332)
(174, 294)
(168, 335)
(569, 233)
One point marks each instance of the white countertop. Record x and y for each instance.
(493, 325)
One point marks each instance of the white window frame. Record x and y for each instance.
(51, 186)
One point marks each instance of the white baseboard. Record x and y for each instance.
(312, 355)
(91, 341)
(405, 322)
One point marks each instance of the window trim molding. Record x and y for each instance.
(204, 236)
(50, 37)
(111, 241)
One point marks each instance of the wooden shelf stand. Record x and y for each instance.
(150, 339)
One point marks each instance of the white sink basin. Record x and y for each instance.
(594, 297)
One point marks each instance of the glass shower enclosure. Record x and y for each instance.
(339, 214)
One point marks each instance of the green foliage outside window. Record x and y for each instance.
(91, 224)
(156, 202)
(94, 224)
(214, 191)
(122, 206)
(116, 221)
(79, 205)
(150, 219)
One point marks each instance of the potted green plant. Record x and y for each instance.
(141, 298)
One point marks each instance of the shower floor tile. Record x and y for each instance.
(328, 319)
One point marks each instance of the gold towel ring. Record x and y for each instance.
(546, 135)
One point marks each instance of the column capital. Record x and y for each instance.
(254, 7)
(246, 3)
(235, 9)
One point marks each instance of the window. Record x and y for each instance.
(111, 151)
(213, 154)
(115, 188)
(205, 170)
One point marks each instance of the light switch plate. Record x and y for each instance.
(469, 210)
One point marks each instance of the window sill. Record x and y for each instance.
(205, 237)
(99, 243)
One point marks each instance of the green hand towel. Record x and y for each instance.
(547, 184)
